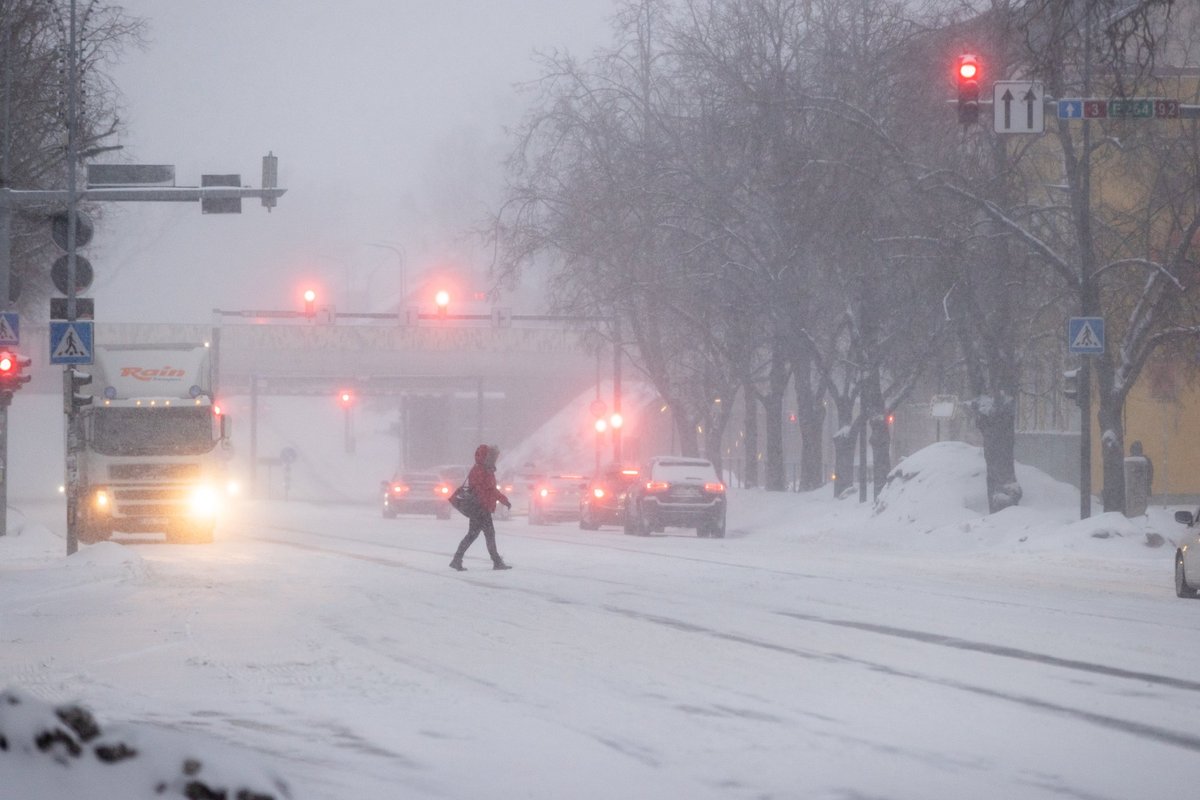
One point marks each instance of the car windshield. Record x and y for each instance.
(684, 470)
(157, 431)
(419, 477)
(454, 474)
(620, 477)
(564, 481)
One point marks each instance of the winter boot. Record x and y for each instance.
(499, 564)
(456, 563)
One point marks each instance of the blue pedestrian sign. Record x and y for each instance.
(10, 328)
(1085, 335)
(71, 342)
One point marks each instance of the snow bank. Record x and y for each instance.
(63, 752)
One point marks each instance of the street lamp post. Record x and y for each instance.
(400, 262)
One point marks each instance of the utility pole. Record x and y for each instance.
(216, 196)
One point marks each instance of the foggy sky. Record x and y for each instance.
(387, 120)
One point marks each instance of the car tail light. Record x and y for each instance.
(442, 489)
(633, 473)
(598, 492)
(657, 486)
(544, 492)
(714, 488)
(399, 488)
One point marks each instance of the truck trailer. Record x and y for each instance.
(154, 444)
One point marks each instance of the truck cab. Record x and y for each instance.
(154, 441)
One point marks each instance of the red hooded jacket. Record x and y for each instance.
(482, 478)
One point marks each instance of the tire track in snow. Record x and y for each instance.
(1000, 650)
(1143, 730)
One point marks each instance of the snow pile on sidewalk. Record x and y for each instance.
(63, 752)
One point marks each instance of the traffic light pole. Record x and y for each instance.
(5, 399)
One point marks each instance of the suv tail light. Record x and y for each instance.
(598, 492)
(657, 486)
(714, 488)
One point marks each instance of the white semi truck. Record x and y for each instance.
(154, 444)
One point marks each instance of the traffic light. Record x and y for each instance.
(310, 303)
(75, 380)
(346, 398)
(1071, 384)
(967, 74)
(12, 371)
(442, 300)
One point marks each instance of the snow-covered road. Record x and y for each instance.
(784, 661)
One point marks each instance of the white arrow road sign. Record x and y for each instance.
(1018, 107)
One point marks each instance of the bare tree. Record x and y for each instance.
(34, 39)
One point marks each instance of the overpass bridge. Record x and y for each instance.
(447, 384)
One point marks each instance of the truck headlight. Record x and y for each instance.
(203, 502)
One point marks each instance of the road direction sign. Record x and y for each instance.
(71, 342)
(10, 328)
(1018, 107)
(1071, 108)
(1085, 335)
(1125, 108)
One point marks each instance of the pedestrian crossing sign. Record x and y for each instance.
(1085, 335)
(71, 342)
(10, 328)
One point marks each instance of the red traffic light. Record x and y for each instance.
(12, 367)
(967, 74)
(442, 300)
(345, 397)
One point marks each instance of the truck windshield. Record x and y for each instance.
(158, 431)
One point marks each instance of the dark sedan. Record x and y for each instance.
(555, 498)
(417, 493)
(603, 502)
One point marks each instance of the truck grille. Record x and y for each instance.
(161, 472)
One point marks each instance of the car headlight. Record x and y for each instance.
(102, 501)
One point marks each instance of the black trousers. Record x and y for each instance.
(481, 522)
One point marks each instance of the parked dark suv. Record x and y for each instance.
(676, 492)
(603, 502)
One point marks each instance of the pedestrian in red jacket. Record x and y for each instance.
(482, 481)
